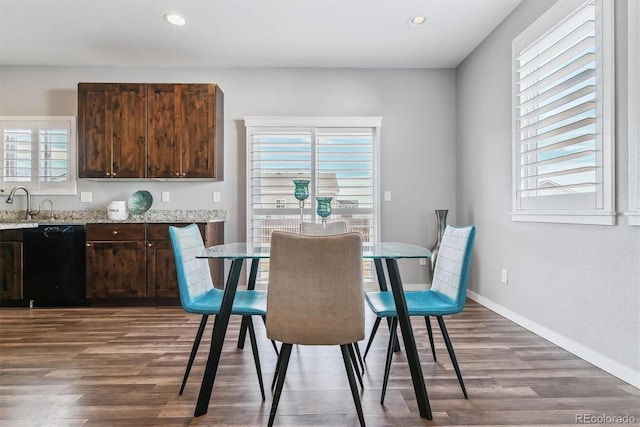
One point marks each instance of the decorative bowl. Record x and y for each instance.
(139, 202)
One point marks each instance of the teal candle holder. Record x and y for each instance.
(301, 193)
(324, 209)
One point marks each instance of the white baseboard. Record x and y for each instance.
(611, 366)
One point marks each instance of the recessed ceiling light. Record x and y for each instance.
(174, 19)
(416, 21)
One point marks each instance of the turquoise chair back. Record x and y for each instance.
(451, 275)
(194, 275)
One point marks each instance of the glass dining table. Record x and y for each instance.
(387, 252)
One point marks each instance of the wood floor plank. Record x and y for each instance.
(123, 367)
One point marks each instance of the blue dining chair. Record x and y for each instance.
(446, 297)
(199, 296)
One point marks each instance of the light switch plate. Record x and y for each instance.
(216, 196)
(85, 196)
(387, 196)
(165, 196)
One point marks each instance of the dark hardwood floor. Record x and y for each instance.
(123, 367)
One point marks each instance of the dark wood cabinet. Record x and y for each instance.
(185, 127)
(134, 264)
(112, 130)
(116, 261)
(166, 131)
(10, 265)
(162, 283)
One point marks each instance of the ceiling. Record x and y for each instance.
(246, 33)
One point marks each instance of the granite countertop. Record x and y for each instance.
(15, 219)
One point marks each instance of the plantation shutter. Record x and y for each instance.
(337, 156)
(560, 150)
(38, 154)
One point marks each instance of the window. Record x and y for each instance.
(39, 153)
(339, 156)
(633, 214)
(563, 116)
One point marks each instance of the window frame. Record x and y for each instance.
(37, 188)
(633, 135)
(315, 125)
(565, 208)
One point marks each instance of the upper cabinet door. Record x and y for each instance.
(163, 145)
(185, 131)
(111, 130)
(199, 126)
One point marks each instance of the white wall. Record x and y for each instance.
(418, 133)
(576, 285)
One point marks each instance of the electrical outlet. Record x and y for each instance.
(216, 196)
(85, 197)
(423, 261)
(165, 196)
(505, 276)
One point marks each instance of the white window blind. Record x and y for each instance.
(39, 153)
(633, 213)
(563, 114)
(339, 158)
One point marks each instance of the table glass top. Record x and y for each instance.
(382, 250)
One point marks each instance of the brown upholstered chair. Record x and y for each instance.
(337, 227)
(315, 297)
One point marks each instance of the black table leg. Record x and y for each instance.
(382, 283)
(219, 331)
(409, 340)
(250, 286)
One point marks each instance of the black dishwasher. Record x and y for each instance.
(54, 265)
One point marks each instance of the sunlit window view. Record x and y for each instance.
(564, 115)
(557, 110)
(338, 162)
(37, 154)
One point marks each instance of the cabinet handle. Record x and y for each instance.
(149, 245)
(88, 245)
(177, 173)
(108, 173)
(114, 174)
(184, 174)
(114, 232)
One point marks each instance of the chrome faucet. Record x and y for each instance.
(50, 211)
(29, 212)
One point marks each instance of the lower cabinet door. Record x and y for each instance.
(10, 271)
(162, 278)
(116, 270)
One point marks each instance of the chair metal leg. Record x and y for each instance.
(354, 360)
(275, 373)
(283, 363)
(273, 343)
(194, 350)
(256, 356)
(356, 347)
(243, 332)
(376, 324)
(452, 354)
(387, 366)
(346, 350)
(430, 332)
